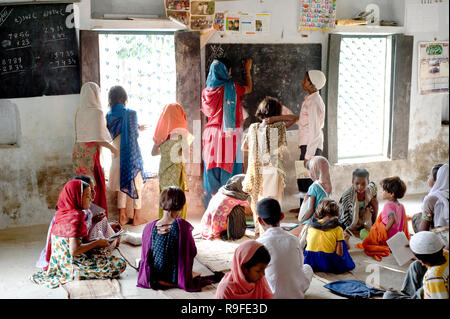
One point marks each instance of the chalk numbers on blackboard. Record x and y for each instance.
(63, 59)
(11, 65)
(54, 33)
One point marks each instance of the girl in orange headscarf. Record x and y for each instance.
(171, 134)
(246, 279)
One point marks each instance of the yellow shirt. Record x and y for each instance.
(435, 281)
(323, 240)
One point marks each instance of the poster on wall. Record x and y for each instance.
(317, 15)
(433, 67)
(194, 14)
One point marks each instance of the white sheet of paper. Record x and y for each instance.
(397, 244)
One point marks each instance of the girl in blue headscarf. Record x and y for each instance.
(126, 175)
(221, 103)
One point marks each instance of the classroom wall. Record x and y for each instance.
(32, 175)
(428, 139)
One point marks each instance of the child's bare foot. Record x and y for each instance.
(123, 218)
(138, 220)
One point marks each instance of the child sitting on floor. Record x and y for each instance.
(246, 279)
(391, 220)
(326, 250)
(319, 170)
(168, 248)
(286, 274)
(427, 277)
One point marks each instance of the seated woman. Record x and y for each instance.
(171, 131)
(436, 204)
(168, 248)
(266, 145)
(225, 215)
(358, 204)
(246, 279)
(96, 223)
(69, 259)
(326, 250)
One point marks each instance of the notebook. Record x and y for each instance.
(398, 245)
(300, 170)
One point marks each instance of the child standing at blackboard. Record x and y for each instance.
(310, 123)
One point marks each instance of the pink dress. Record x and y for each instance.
(214, 220)
(399, 211)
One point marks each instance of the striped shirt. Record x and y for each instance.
(435, 281)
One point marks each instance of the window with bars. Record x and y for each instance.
(363, 107)
(368, 97)
(144, 64)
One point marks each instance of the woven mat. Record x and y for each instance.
(93, 289)
(217, 254)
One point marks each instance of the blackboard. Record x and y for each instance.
(38, 51)
(278, 70)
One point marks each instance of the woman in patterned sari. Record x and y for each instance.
(171, 135)
(70, 259)
(91, 134)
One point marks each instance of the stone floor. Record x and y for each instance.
(20, 248)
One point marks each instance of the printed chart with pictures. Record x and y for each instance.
(38, 51)
(243, 23)
(179, 10)
(317, 15)
(202, 14)
(433, 67)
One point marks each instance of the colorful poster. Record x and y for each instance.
(232, 23)
(247, 24)
(317, 15)
(219, 21)
(262, 22)
(433, 67)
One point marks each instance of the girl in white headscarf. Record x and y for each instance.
(436, 204)
(91, 134)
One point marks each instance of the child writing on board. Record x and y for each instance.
(310, 123)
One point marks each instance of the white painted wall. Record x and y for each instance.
(47, 122)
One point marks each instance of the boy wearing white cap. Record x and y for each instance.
(432, 266)
(310, 123)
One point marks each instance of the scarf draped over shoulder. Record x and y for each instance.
(69, 219)
(90, 123)
(123, 121)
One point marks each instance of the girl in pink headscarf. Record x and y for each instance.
(319, 170)
(246, 279)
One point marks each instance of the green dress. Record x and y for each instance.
(170, 173)
(63, 267)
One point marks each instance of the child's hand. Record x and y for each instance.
(98, 218)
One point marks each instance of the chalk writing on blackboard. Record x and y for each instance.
(38, 51)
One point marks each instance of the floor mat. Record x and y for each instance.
(217, 254)
(93, 289)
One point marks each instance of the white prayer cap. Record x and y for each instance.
(425, 243)
(317, 78)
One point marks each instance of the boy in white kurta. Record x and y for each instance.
(286, 274)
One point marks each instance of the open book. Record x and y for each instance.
(400, 249)
(115, 236)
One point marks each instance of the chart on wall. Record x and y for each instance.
(317, 15)
(38, 51)
(433, 67)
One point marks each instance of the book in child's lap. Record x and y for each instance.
(400, 249)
